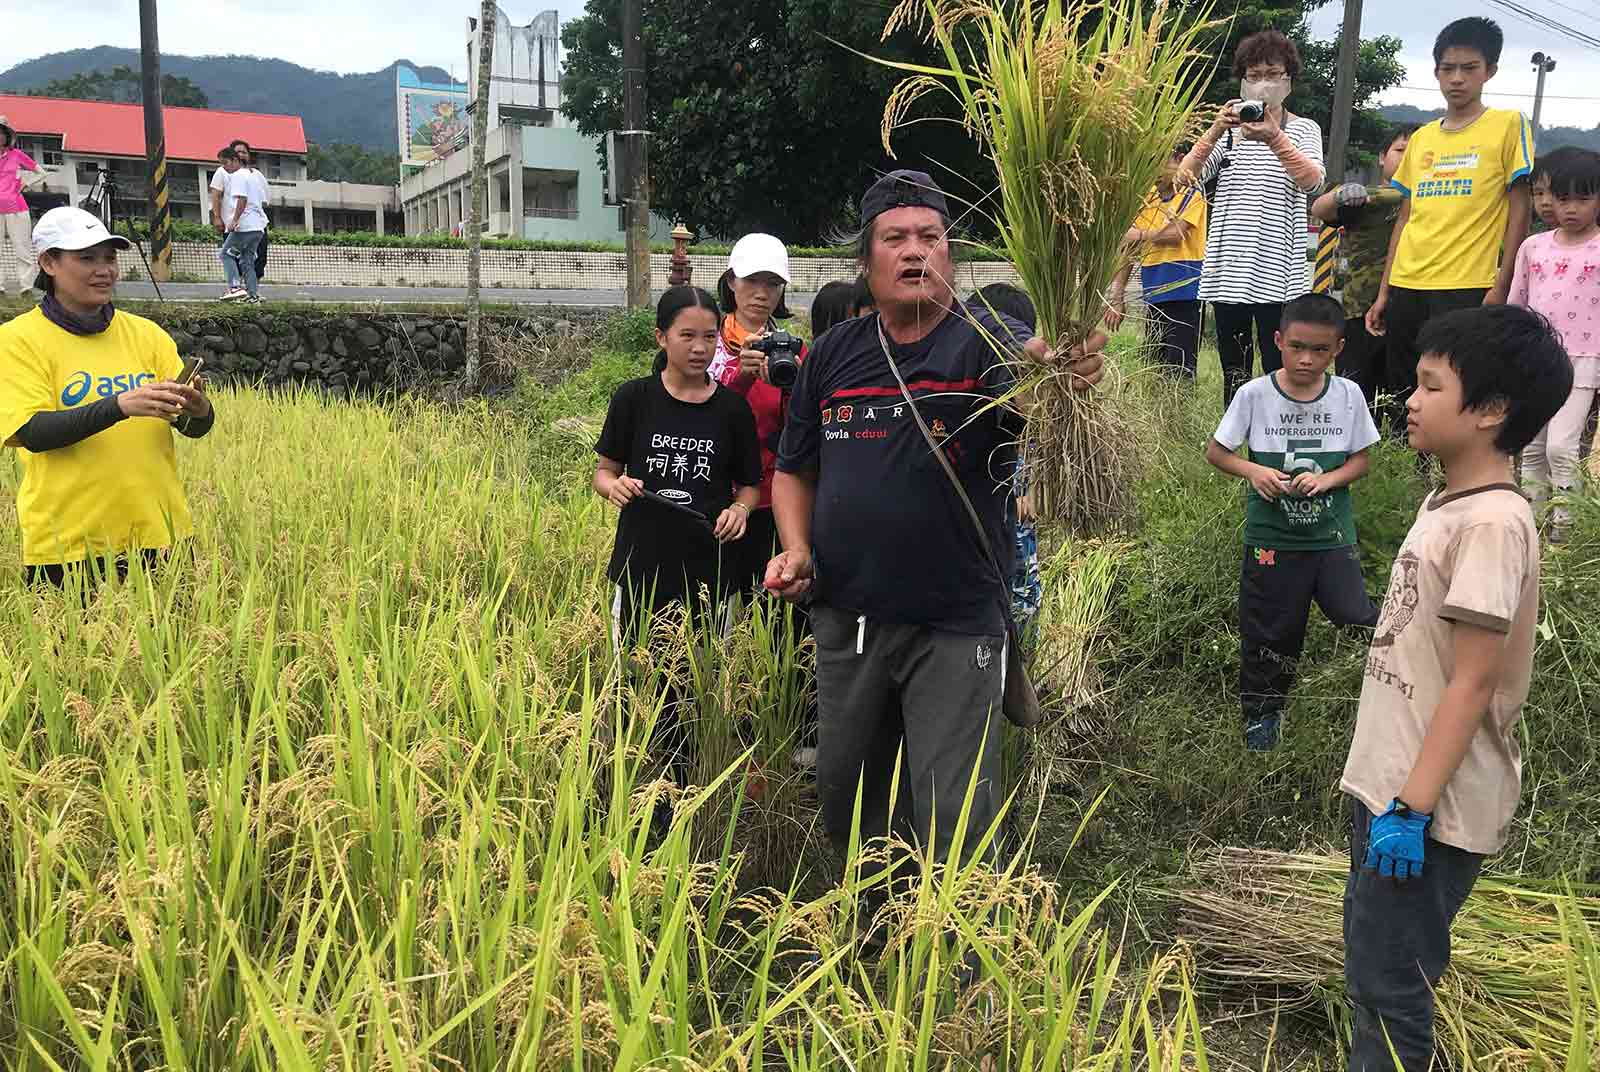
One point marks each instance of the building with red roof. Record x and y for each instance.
(76, 140)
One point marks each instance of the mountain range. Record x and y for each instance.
(354, 108)
(1549, 138)
(360, 108)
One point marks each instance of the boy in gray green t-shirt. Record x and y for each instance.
(1308, 434)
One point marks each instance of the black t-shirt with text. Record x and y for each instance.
(693, 454)
(892, 539)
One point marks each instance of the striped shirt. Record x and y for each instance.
(1256, 251)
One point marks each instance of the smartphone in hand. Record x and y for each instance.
(191, 369)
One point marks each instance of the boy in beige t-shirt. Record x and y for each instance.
(1435, 770)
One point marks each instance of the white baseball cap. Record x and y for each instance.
(72, 229)
(755, 253)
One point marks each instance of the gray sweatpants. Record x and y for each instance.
(937, 694)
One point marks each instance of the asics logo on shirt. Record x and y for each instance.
(78, 387)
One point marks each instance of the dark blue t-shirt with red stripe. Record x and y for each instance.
(891, 538)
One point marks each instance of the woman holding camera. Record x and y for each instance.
(751, 291)
(1265, 162)
(89, 398)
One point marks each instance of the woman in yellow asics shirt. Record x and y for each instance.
(88, 399)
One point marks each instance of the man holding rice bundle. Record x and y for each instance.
(910, 605)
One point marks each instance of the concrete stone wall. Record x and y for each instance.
(397, 267)
(347, 353)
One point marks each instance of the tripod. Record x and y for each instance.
(100, 202)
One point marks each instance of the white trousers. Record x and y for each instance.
(16, 251)
(1551, 460)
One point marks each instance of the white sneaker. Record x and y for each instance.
(235, 294)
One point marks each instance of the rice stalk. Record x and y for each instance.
(1078, 106)
(1520, 987)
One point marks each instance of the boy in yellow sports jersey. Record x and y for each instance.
(1468, 204)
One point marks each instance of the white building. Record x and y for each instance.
(74, 141)
(545, 178)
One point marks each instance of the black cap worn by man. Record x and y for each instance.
(909, 614)
(902, 189)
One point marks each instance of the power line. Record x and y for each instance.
(1569, 7)
(1545, 22)
(1500, 93)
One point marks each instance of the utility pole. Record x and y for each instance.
(478, 180)
(1344, 91)
(638, 153)
(155, 144)
(1544, 65)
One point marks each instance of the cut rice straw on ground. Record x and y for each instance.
(1520, 989)
(1078, 109)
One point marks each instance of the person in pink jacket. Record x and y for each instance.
(16, 231)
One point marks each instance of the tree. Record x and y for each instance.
(759, 121)
(343, 162)
(121, 84)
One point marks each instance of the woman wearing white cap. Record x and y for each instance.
(89, 399)
(16, 258)
(751, 291)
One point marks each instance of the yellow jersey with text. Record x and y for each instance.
(117, 490)
(1457, 182)
(1172, 273)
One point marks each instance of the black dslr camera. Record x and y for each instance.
(1251, 111)
(783, 358)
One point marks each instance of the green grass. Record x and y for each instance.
(359, 787)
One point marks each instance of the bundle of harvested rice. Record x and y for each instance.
(1078, 106)
(1524, 978)
(1072, 624)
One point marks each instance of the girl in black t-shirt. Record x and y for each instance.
(678, 456)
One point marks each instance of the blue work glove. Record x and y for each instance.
(1395, 842)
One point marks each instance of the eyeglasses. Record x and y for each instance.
(1262, 74)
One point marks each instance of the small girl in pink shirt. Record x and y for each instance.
(16, 232)
(1558, 276)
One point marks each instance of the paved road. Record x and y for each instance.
(199, 292)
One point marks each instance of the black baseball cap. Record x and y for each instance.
(903, 189)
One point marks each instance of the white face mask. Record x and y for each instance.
(1273, 91)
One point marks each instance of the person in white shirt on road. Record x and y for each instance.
(246, 195)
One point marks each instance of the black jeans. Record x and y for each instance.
(1240, 328)
(1362, 359)
(1276, 590)
(1404, 318)
(937, 695)
(93, 571)
(1396, 948)
(1174, 337)
(633, 614)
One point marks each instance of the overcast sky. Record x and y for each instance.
(368, 35)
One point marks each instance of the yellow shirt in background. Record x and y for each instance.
(1457, 182)
(1172, 273)
(115, 491)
